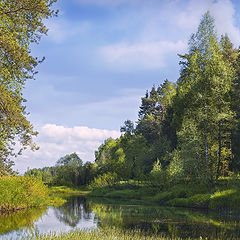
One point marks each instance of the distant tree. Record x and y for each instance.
(68, 170)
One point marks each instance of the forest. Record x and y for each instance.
(186, 131)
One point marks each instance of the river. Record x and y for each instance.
(81, 213)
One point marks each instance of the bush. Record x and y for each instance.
(21, 192)
(158, 176)
(107, 179)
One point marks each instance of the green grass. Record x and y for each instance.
(103, 234)
(67, 190)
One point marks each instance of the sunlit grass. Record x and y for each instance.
(103, 234)
(67, 190)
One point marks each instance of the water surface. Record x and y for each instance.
(80, 213)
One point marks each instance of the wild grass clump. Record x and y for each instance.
(21, 192)
(103, 234)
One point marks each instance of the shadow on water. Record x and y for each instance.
(81, 213)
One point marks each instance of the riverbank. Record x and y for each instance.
(18, 193)
(224, 195)
(68, 190)
(21, 192)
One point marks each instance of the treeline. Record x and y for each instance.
(188, 130)
(185, 131)
(68, 171)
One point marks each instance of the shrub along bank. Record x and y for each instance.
(23, 192)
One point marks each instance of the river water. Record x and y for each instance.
(81, 213)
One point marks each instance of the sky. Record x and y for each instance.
(101, 57)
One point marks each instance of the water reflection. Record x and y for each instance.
(171, 222)
(15, 221)
(79, 213)
(74, 210)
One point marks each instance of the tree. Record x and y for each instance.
(203, 95)
(235, 135)
(21, 23)
(68, 170)
(153, 110)
(128, 127)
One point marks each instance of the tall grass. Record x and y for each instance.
(21, 192)
(117, 234)
(103, 234)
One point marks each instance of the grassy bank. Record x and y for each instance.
(18, 193)
(68, 190)
(225, 195)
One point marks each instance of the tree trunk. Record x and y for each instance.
(219, 149)
(206, 148)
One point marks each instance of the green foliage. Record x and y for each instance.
(227, 199)
(107, 179)
(21, 23)
(128, 127)
(69, 171)
(202, 112)
(175, 168)
(22, 192)
(158, 176)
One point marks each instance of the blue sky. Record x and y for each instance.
(101, 57)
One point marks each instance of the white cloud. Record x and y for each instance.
(56, 141)
(78, 132)
(148, 55)
(222, 10)
(155, 43)
(60, 30)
